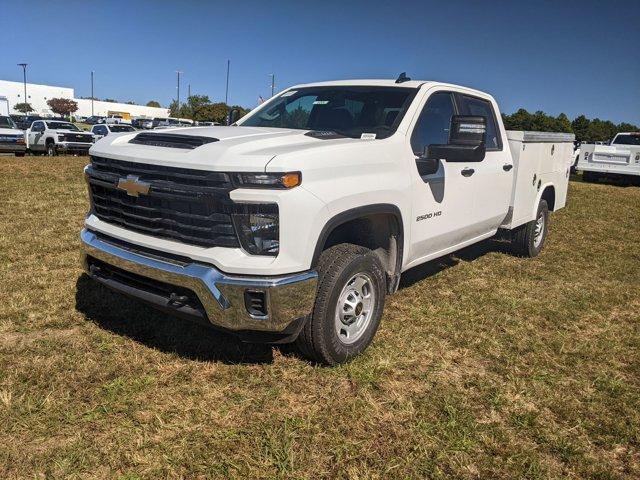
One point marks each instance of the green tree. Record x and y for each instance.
(580, 126)
(110, 100)
(62, 106)
(23, 107)
(153, 103)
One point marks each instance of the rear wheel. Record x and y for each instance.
(348, 307)
(589, 177)
(528, 239)
(51, 149)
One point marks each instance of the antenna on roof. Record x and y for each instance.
(402, 78)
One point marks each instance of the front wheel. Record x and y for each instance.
(528, 239)
(51, 149)
(348, 307)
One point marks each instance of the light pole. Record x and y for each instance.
(273, 83)
(24, 77)
(92, 93)
(179, 72)
(226, 91)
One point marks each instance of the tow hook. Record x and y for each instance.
(177, 300)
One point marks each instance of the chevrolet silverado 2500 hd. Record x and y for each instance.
(297, 221)
(620, 159)
(54, 136)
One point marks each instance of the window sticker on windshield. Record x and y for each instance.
(368, 136)
(289, 93)
(321, 102)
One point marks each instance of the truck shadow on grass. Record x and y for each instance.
(129, 318)
(467, 254)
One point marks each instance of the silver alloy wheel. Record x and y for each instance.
(538, 233)
(50, 150)
(355, 308)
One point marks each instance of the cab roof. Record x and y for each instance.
(387, 83)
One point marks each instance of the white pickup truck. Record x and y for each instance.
(294, 224)
(52, 137)
(11, 138)
(620, 159)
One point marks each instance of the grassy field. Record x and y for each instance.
(485, 366)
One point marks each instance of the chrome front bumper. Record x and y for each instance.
(288, 298)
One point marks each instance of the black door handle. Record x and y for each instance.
(507, 166)
(467, 172)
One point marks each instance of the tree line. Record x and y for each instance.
(585, 129)
(200, 108)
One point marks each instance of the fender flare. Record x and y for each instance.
(539, 197)
(359, 212)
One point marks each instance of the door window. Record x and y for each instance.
(479, 107)
(434, 122)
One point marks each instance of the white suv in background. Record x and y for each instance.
(103, 130)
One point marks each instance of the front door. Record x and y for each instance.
(494, 175)
(442, 202)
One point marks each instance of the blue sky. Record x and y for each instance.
(563, 56)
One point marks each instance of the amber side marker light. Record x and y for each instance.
(290, 180)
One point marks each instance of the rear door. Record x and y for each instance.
(494, 175)
(442, 202)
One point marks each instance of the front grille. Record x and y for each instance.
(189, 206)
(73, 137)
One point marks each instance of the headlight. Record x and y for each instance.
(268, 180)
(258, 228)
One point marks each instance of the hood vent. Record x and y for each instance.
(168, 140)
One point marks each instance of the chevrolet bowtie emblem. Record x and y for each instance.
(133, 186)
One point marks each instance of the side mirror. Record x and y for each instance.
(467, 138)
(426, 165)
(233, 116)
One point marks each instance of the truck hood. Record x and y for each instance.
(234, 148)
(11, 131)
(64, 131)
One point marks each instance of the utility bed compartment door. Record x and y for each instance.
(539, 159)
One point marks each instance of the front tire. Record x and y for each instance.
(51, 149)
(348, 306)
(528, 239)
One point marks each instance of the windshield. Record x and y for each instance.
(121, 128)
(62, 126)
(6, 122)
(628, 139)
(345, 110)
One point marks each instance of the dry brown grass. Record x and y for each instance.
(486, 366)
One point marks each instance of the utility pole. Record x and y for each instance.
(189, 92)
(24, 76)
(92, 93)
(226, 92)
(179, 72)
(273, 83)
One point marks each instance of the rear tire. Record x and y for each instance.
(589, 177)
(348, 306)
(528, 239)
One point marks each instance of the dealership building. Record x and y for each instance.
(37, 96)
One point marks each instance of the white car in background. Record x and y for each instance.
(11, 138)
(100, 131)
(620, 159)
